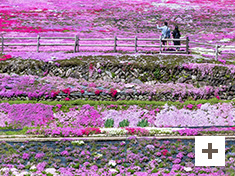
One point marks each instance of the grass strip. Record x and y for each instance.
(120, 102)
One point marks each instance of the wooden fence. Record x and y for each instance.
(217, 48)
(77, 43)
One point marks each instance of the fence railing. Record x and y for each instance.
(217, 48)
(77, 43)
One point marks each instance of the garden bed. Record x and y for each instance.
(131, 156)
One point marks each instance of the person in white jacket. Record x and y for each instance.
(166, 33)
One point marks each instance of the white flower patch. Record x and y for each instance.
(187, 169)
(78, 142)
(225, 40)
(114, 131)
(51, 171)
(23, 173)
(113, 171)
(4, 169)
(54, 58)
(14, 171)
(98, 155)
(33, 167)
(112, 163)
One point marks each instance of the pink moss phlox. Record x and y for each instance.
(5, 57)
(138, 131)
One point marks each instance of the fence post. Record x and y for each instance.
(136, 44)
(160, 45)
(216, 52)
(187, 46)
(75, 44)
(38, 37)
(2, 43)
(115, 44)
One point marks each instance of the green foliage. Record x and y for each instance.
(231, 172)
(76, 166)
(113, 74)
(23, 131)
(33, 170)
(143, 123)
(64, 108)
(124, 123)
(10, 151)
(27, 167)
(119, 102)
(155, 170)
(131, 171)
(109, 123)
(157, 73)
(161, 165)
(6, 128)
(125, 165)
(49, 174)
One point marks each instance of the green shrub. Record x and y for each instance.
(157, 73)
(109, 123)
(124, 123)
(143, 123)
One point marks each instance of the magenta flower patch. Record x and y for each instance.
(39, 155)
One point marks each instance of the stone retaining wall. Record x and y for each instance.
(224, 95)
(129, 71)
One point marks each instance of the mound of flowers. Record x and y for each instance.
(33, 87)
(65, 131)
(5, 57)
(33, 115)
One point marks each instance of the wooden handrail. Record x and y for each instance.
(198, 43)
(96, 39)
(77, 43)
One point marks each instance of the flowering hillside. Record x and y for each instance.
(209, 21)
(112, 112)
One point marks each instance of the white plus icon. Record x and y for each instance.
(209, 151)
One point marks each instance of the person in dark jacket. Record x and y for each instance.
(176, 35)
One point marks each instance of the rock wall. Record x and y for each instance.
(139, 70)
(122, 72)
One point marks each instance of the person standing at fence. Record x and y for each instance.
(176, 35)
(166, 33)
